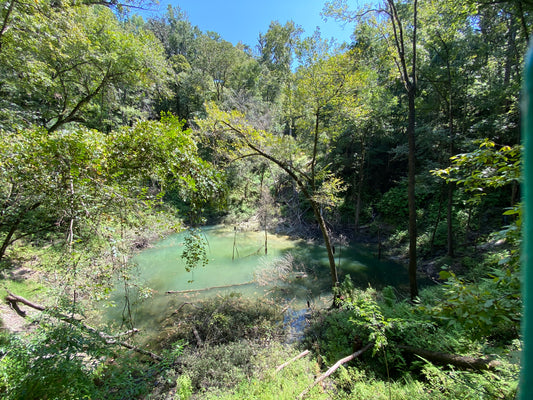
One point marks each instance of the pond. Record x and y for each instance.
(295, 272)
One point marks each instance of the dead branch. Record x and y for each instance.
(111, 340)
(177, 310)
(199, 340)
(334, 368)
(12, 298)
(464, 362)
(301, 355)
(153, 356)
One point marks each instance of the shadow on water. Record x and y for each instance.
(294, 272)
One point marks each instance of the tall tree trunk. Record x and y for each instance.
(408, 76)
(523, 21)
(357, 208)
(411, 196)
(449, 220)
(436, 227)
(451, 185)
(359, 189)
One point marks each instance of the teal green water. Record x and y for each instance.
(163, 268)
(238, 258)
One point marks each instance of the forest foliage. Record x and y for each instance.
(115, 128)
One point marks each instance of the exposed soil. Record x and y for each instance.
(14, 323)
(10, 320)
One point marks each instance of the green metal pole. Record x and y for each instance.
(526, 379)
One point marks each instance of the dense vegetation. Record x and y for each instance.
(116, 131)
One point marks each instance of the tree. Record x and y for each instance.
(190, 87)
(233, 137)
(78, 65)
(175, 32)
(75, 183)
(401, 38)
(276, 48)
(493, 302)
(218, 59)
(446, 42)
(408, 77)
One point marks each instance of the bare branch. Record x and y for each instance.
(111, 340)
(334, 368)
(301, 355)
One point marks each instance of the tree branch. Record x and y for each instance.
(243, 157)
(111, 340)
(5, 22)
(334, 368)
(301, 355)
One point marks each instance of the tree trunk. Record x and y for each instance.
(360, 186)
(408, 76)
(327, 242)
(5, 23)
(452, 359)
(8, 239)
(411, 196)
(357, 209)
(301, 355)
(523, 21)
(209, 288)
(449, 220)
(451, 185)
(436, 227)
(266, 238)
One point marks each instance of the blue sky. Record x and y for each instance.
(243, 20)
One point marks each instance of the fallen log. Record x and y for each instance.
(208, 288)
(111, 340)
(301, 355)
(334, 368)
(464, 362)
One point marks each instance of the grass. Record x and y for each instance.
(266, 384)
(25, 288)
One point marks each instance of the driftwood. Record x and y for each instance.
(452, 359)
(301, 355)
(111, 340)
(208, 288)
(334, 368)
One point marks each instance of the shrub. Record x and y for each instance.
(62, 362)
(222, 366)
(48, 365)
(486, 308)
(223, 319)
